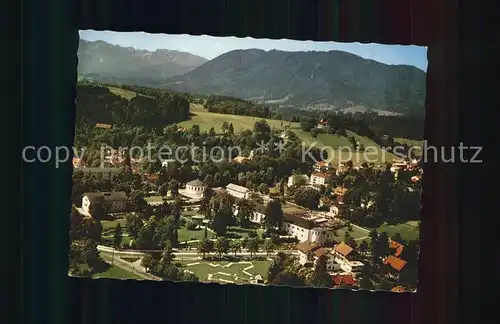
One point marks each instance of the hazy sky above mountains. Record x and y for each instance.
(210, 47)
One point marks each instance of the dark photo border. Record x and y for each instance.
(50, 40)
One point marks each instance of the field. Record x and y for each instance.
(107, 224)
(185, 235)
(125, 94)
(115, 272)
(224, 271)
(206, 120)
(357, 234)
(408, 230)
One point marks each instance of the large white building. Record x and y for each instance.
(306, 227)
(195, 187)
(116, 201)
(238, 191)
(101, 173)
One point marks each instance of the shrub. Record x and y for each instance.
(191, 226)
(252, 234)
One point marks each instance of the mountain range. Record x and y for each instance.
(104, 62)
(333, 80)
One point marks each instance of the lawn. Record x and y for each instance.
(240, 232)
(356, 233)
(408, 230)
(155, 198)
(375, 154)
(107, 224)
(207, 120)
(125, 94)
(185, 235)
(202, 269)
(115, 272)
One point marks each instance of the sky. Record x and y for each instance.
(210, 47)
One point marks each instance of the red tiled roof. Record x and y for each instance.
(343, 249)
(320, 175)
(347, 280)
(397, 246)
(396, 263)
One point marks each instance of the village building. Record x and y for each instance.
(397, 247)
(339, 193)
(100, 173)
(195, 188)
(305, 250)
(396, 266)
(306, 226)
(238, 191)
(353, 267)
(318, 178)
(103, 125)
(343, 280)
(324, 202)
(322, 166)
(115, 202)
(342, 253)
(337, 209)
(258, 214)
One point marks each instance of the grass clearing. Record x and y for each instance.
(155, 198)
(125, 94)
(186, 235)
(206, 120)
(107, 224)
(408, 231)
(115, 272)
(356, 233)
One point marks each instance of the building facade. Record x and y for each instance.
(238, 191)
(195, 188)
(318, 179)
(115, 202)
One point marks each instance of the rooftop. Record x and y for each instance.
(343, 249)
(306, 247)
(396, 263)
(397, 246)
(320, 175)
(196, 183)
(237, 188)
(102, 125)
(343, 279)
